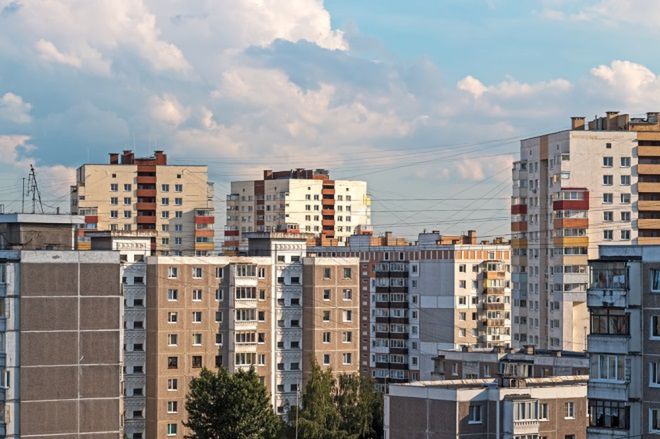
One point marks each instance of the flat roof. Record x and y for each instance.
(483, 382)
(40, 218)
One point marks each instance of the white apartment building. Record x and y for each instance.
(304, 200)
(572, 191)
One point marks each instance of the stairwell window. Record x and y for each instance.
(474, 414)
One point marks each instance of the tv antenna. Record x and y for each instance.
(31, 189)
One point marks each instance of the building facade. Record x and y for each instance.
(572, 191)
(469, 363)
(507, 407)
(147, 194)
(274, 309)
(60, 335)
(306, 200)
(442, 292)
(624, 343)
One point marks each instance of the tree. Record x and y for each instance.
(229, 406)
(343, 407)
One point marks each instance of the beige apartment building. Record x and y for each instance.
(147, 194)
(60, 333)
(572, 191)
(274, 309)
(440, 292)
(299, 199)
(508, 407)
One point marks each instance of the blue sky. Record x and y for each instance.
(426, 100)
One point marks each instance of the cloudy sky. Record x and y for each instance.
(426, 100)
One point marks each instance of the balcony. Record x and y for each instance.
(519, 226)
(571, 223)
(495, 274)
(518, 209)
(146, 179)
(330, 212)
(204, 233)
(204, 246)
(204, 219)
(526, 427)
(146, 219)
(571, 241)
(518, 243)
(648, 223)
(145, 206)
(648, 169)
(648, 205)
(146, 193)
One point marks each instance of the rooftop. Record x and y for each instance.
(40, 218)
(478, 383)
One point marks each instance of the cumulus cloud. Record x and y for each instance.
(630, 84)
(168, 110)
(17, 153)
(14, 109)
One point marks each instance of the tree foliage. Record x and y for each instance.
(222, 405)
(334, 408)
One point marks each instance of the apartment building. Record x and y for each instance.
(508, 407)
(275, 309)
(60, 332)
(147, 194)
(441, 292)
(572, 191)
(133, 248)
(624, 343)
(528, 362)
(302, 199)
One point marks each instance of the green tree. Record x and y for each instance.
(346, 407)
(229, 406)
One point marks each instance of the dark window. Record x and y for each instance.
(172, 362)
(608, 414)
(196, 361)
(607, 321)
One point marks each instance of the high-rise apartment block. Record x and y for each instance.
(276, 309)
(147, 194)
(572, 191)
(624, 342)
(306, 200)
(441, 292)
(60, 332)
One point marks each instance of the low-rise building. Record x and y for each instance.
(469, 363)
(507, 407)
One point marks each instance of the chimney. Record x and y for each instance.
(610, 120)
(114, 158)
(472, 237)
(652, 117)
(577, 123)
(268, 174)
(161, 157)
(127, 157)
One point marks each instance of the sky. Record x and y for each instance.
(425, 100)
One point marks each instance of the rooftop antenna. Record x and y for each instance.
(32, 188)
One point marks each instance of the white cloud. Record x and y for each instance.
(15, 152)
(48, 52)
(610, 12)
(472, 85)
(167, 109)
(14, 109)
(632, 85)
(511, 88)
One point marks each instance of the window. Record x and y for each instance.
(178, 201)
(625, 198)
(197, 317)
(608, 414)
(625, 162)
(197, 295)
(326, 316)
(326, 359)
(218, 295)
(608, 180)
(172, 362)
(543, 412)
(196, 361)
(178, 188)
(654, 420)
(218, 339)
(569, 410)
(197, 339)
(172, 384)
(625, 234)
(608, 162)
(607, 367)
(348, 294)
(347, 336)
(197, 272)
(609, 321)
(608, 198)
(127, 201)
(348, 315)
(625, 180)
(608, 235)
(326, 294)
(172, 295)
(171, 429)
(474, 414)
(114, 187)
(655, 326)
(172, 407)
(172, 272)
(327, 273)
(261, 272)
(114, 201)
(165, 188)
(326, 337)
(625, 216)
(608, 216)
(347, 358)
(172, 339)
(114, 214)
